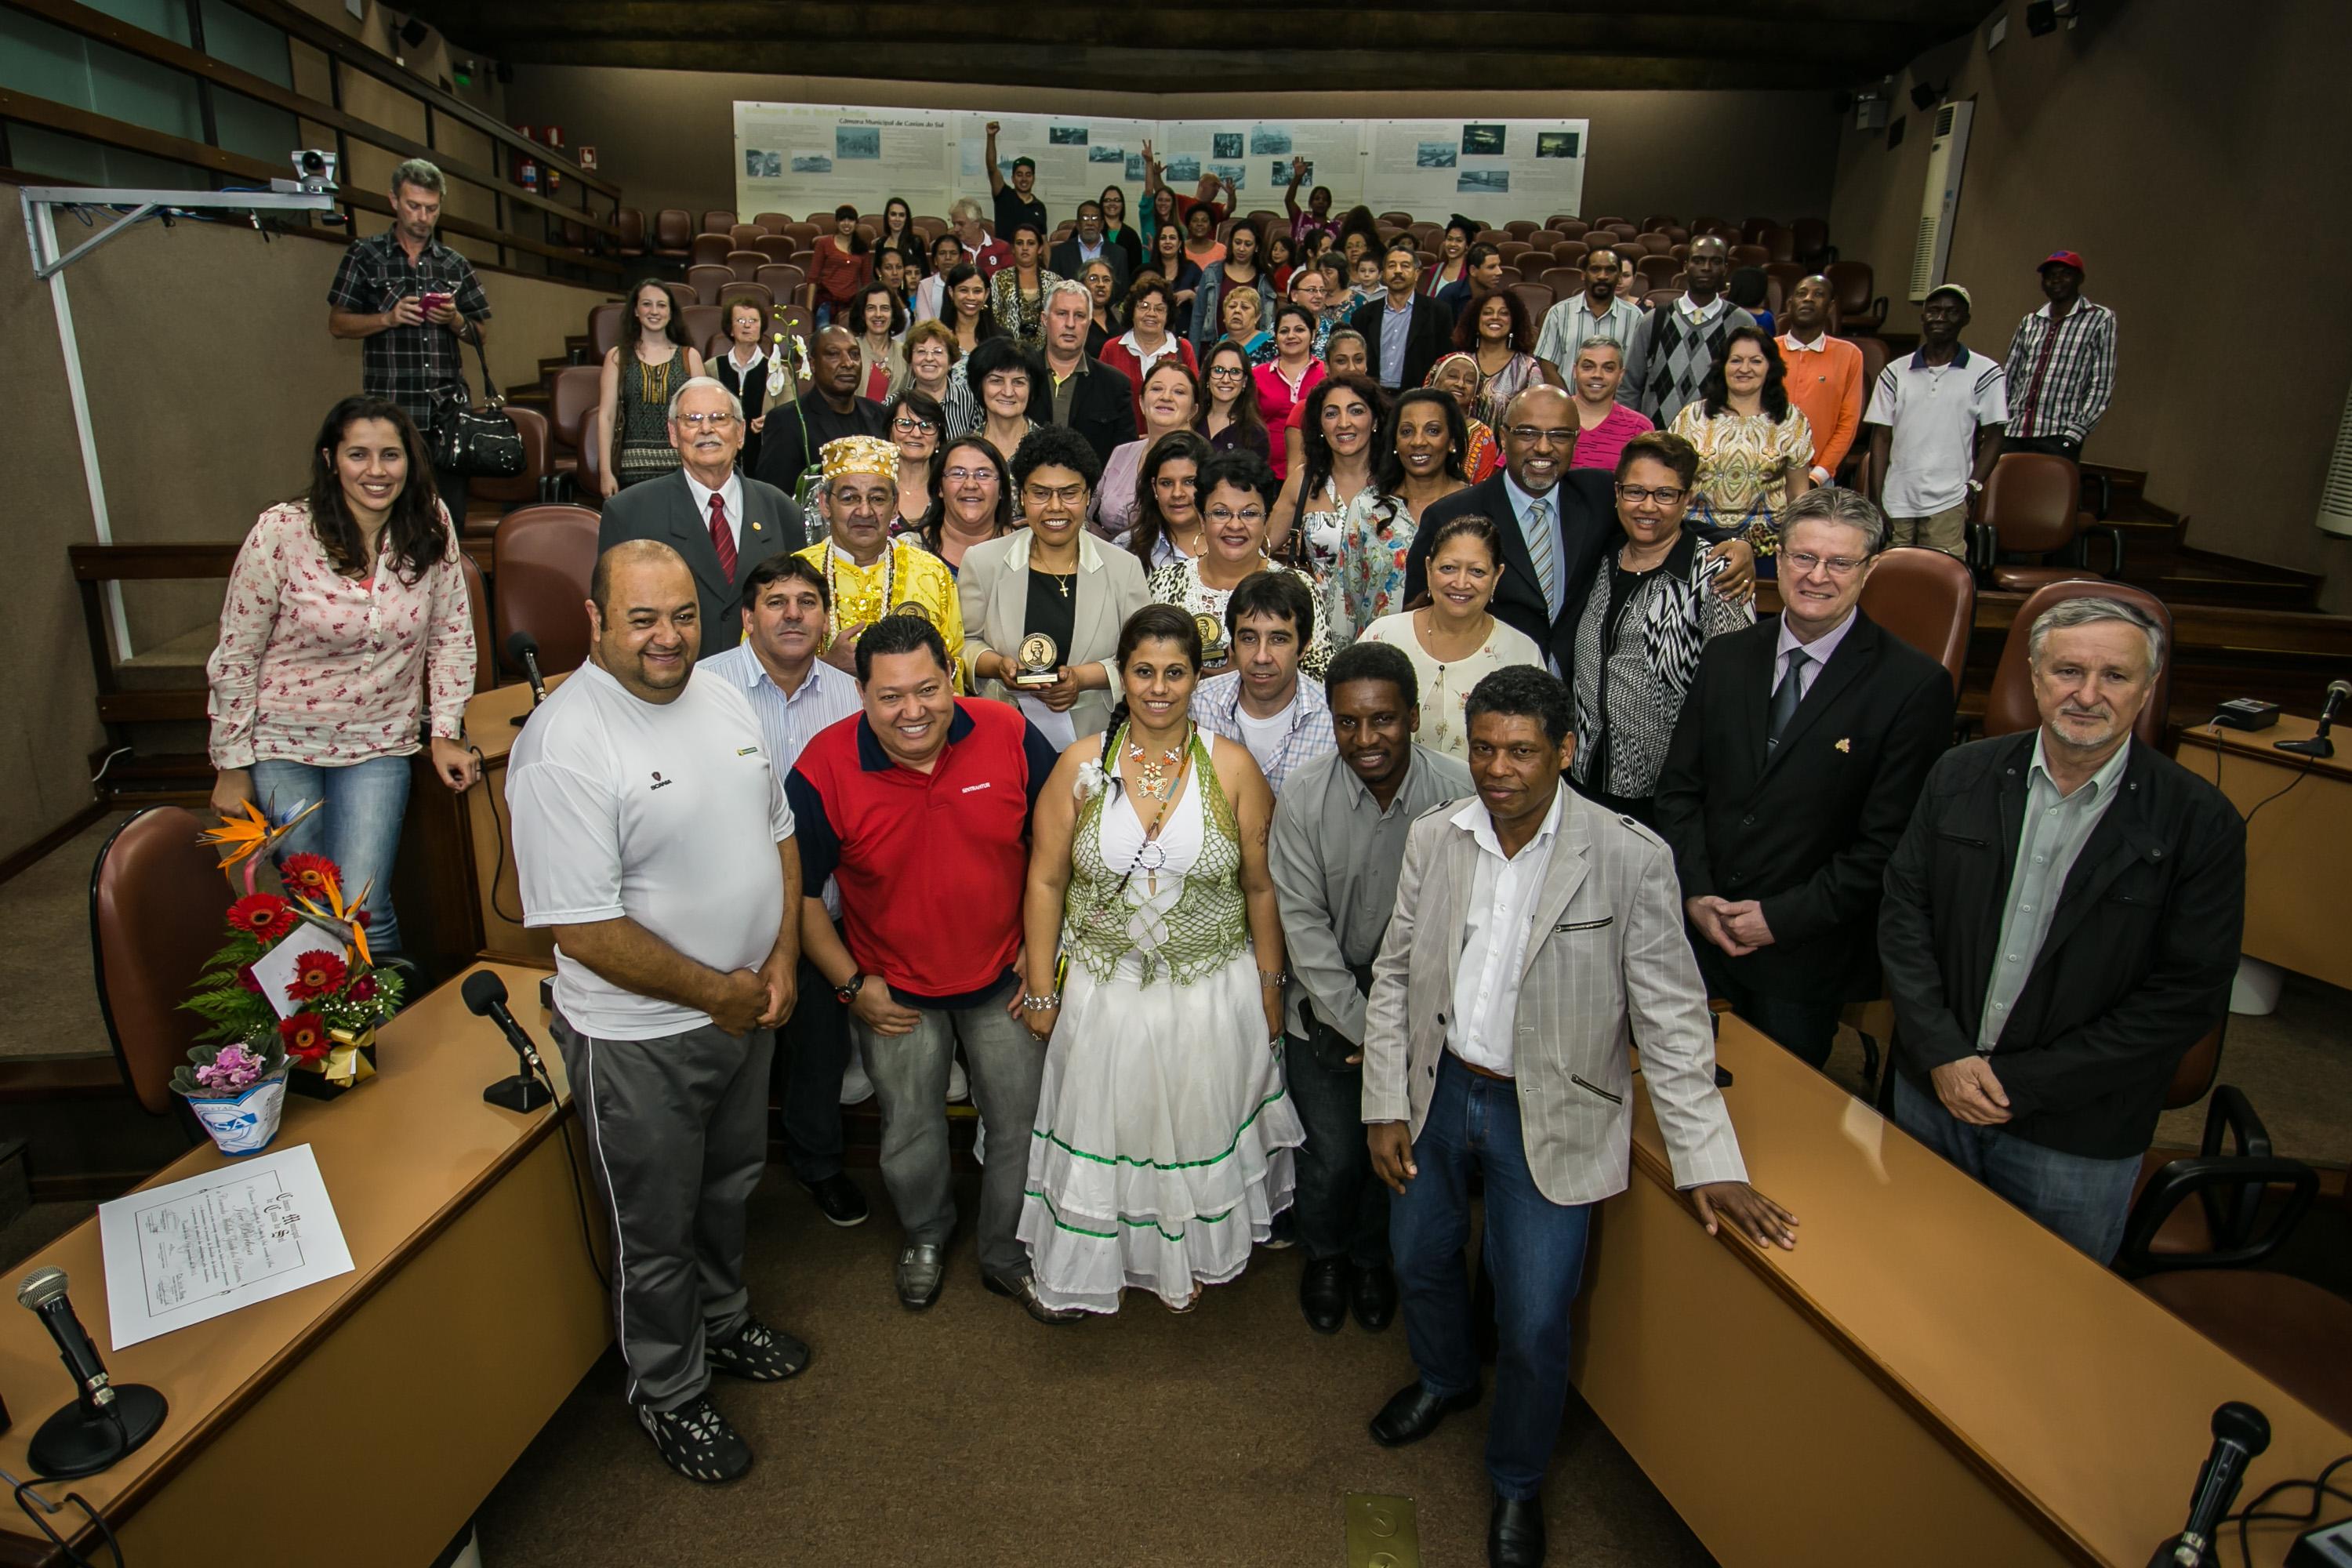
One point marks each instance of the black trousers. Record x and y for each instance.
(811, 1053)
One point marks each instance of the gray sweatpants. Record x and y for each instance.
(677, 1134)
(910, 1083)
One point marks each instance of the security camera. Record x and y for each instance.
(314, 169)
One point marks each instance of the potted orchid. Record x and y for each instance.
(236, 1094)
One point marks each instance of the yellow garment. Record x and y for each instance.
(911, 575)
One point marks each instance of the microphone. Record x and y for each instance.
(2339, 692)
(104, 1422)
(522, 648)
(2240, 1433)
(486, 998)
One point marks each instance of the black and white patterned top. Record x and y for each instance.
(1637, 646)
(412, 366)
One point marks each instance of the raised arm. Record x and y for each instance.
(1290, 194)
(995, 174)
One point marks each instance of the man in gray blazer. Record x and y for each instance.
(722, 522)
(1534, 933)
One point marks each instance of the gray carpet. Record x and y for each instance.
(45, 969)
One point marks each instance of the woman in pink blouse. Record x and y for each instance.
(344, 634)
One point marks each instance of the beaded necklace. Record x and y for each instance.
(889, 575)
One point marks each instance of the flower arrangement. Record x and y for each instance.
(222, 1072)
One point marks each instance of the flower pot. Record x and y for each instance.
(351, 1062)
(243, 1124)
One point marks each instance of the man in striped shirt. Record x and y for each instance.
(793, 694)
(2061, 365)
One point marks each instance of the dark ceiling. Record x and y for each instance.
(1228, 46)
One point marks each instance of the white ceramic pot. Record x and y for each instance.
(243, 1123)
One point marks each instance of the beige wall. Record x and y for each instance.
(208, 366)
(668, 137)
(2131, 140)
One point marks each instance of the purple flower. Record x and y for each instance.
(234, 1071)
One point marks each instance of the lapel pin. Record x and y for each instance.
(1846, 743)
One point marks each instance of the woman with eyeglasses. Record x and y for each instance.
(971, 501)
(1457, 376)
(1755, 447)
(1172, 397)
(1103, 321)
(1229, 415)
(1183, 275)
(930, 354)
(1645, 616)
(1166, 509)
(1337, 428)
(918, 425)
(1149, 337)
(1234, 532)
(1421, 462)
(946, 254)
(1454, 641)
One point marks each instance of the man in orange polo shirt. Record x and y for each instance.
(1824, 377)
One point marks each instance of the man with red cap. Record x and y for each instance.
(2061, 365)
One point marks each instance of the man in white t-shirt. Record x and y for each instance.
(1936, 422)
(1260, 701)
(636, 792)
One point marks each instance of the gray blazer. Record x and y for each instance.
(1608, 960)
(664, 508)
(993, 585)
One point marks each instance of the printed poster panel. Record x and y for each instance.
(801, 158)
(1490, 169)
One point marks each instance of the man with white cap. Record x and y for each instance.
(2061, 365)
(868, 574)
(1936, 425)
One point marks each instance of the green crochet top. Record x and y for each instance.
(1208, 924)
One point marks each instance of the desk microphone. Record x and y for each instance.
(522, 648)
(104, 1422)
(2339, 692)
(2240, 1433)
(486, 998)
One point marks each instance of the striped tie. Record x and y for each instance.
(1539, 550)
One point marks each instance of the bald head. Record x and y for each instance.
(1809, 307)
(1538, 438)
(834, 350)
(645, 617)
(619, 567)
(1706, 268)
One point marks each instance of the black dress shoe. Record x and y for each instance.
(1323, 1294)
(838, 1199)
(1375, 1298)
(1515, 1533)
(1415, 1414)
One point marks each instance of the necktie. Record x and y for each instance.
(1538, 531)
(722, 538)
(1785, 697)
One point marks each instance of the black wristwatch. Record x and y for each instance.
(847, 993)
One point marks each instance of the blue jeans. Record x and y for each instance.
(2084, 1200)
(1534, 1248)
(358, 828)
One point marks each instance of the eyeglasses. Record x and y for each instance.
(1805, 561)
(911, 422)
(1040, 496)
(1222, 370)
(1528, 436)
(706, 421)
(1253, 516)
(969, 476)
(1664, 495)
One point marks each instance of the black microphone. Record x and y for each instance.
(2339, 692)
(522, 648)
(104, 1422)
(2240, 1433)
(486, 997)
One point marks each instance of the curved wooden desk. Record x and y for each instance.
(360, 1420)
(1929, 1378)
(2298, 854)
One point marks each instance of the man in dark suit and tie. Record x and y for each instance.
(1558, 525)
(723, 523)
(1794, 767)
(796, 432)
(1405, 331)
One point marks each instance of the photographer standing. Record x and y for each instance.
(414, 303)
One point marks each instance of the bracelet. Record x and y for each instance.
(1041, 1003)
(1280, 977)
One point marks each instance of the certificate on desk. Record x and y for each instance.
(192, 1250)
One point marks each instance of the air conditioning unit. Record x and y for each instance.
(1941, 203)
(2335, 495)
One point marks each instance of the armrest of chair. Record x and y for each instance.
(1983, 546)
(2232, 1190)
(2232, 1114)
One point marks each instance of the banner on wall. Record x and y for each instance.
(801, 158)
(1485, 169)
(1076, 156)
(1257, 156)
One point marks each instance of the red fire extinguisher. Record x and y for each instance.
(526, 166)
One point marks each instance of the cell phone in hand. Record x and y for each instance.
(433, 302)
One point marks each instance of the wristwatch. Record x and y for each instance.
(1976, 487)
(847, 993)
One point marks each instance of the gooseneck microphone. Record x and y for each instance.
(522, 648)
(486, 998)
(2240, 1433)
(2339, 692)
(104, 1422)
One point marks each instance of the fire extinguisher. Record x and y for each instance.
(553, 139)
(526, 166)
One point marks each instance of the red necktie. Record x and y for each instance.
(722, 538)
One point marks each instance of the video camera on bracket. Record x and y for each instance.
(314, 170)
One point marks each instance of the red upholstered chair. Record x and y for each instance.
(1754, 229)
(1545, 238)
(804, 236)
(1611, 223)
(1570, 252)
(631, 222)
(541, 561)
(760, 294)
(741, 235)
(571, 416)
(1401, 219)
(821, 220)
(1632, 250)
(1656, 241)
(770, 223)
(1788, 274)
(1520, 228)
(673, 234)
(529, 484)
(1536, 299)
(709, 250)
(746, 264)
(1781, 243)
(700, 322)
(706, 280)
(2009, 704)
(681, 298)
(1490, 237)
(1926, 598)
(1659, 222)
(1856, 306)
(1658, 271)
(2031, 506)
(775, 250)
(1749, 256)
(717, 222)
(477, 610)
(1510, 250)
(785, 280)
(604, 327)
(157, 903)
(1563, 282)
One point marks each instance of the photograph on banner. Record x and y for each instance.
(1256, 155)
(1490, 169)
(800, 158)
(1077, 155)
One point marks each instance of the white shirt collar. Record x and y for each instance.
(1479, 823)
(1821, 647)
(1819, 345)
(731, 493)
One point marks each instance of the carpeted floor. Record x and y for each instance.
(45, 969)
(969, 1434)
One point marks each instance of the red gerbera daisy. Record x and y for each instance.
(363, 988)
(305, 1036)
(262, 915)
(316, 975)
(310, 874)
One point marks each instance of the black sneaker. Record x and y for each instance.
(695, 1441)
(758, 1354)
(838, 1199)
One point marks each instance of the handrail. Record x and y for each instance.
(115, 33)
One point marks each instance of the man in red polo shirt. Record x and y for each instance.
(918, 809)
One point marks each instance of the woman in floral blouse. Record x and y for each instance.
(345, 631)
(1422, 454)
(1755, 447)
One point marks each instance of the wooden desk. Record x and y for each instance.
(490, 730)
(360, 1420)
(1930, 1378)
(2298, 849)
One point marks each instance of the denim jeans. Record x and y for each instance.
(1341, 1209)
(1533, 1246)
(358, 828)
(2084, 1200)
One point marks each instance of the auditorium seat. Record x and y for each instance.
(1659, 270)
(770, 223)
(804, 235)
(1654, 298)
(1403, 220)
(1811, 234)
(2009, 703)
(700, 321)
(785, 280)
(477, 611)
(821, 220)
(709, 250)
(674, 235)
(604, 328)
(2164, 1231)
(572, 398)
(1545, 238)
(1536, 299)
(1779, 243)
(1490, 237)
(1574, 227)
(1609, 223)
(1619, 227)
(706, 280)
(1788, 274)
(1926, 598)
(1632, 250)
(1570, 252)
(1749, 256)
(1859, 307)
(529, 484)
(717, 222)
(541, 561)
(1563, 282)
(743, 236)
(2032, 506)
(747, 263)
(681, 298)
(1659, 222)
(775, 248)
(1656, 241)
(760, 294)
(631, 222)
(1753, 230)
(1520, 228)
(1510, 276)
(158, 902)
(1679, 251)
(1512, 249)
(1709, 224)
(934, 226)
(2289, 1330)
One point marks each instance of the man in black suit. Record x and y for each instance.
(2061, 925)
(1796, 762)
(796, 431)
(1558, 525)
(1075, 389)
(1406, 332)
(1087, 244)
(723, 523)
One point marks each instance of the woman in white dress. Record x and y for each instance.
(1453, 641)
(1162, 1148)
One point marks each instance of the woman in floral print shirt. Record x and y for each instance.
(344, 634)
(1422, 454)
